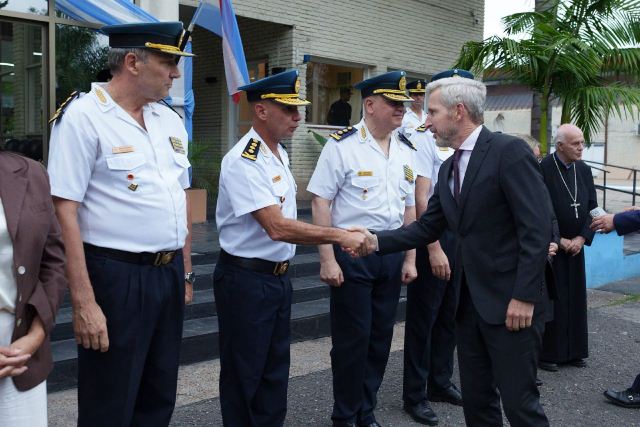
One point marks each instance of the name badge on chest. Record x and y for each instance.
(176, 144)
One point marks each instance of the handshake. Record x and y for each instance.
(358, 242)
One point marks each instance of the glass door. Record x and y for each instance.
(22, 121)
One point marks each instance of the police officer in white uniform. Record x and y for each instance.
(365, 175)
(429, 335)
(256, 219)
(414, 115)
(118, 166)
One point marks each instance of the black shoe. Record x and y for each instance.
(450, 395)
(337, 423)
(578, 363)
(548, 366)
(627, 398)
(373, 424)
(422, 413)
(538, 382)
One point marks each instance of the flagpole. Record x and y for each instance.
(192, 24)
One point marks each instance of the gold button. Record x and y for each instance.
(18, 323)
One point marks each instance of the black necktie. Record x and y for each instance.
(456, 173)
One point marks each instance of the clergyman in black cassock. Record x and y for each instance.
(565, 339)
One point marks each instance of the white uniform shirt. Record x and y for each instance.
(429, 157)
(246, 186)
(130, 181)
(411, 121)
(366, 187)
(8, 285)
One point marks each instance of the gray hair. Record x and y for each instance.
(115, 57)
(459, 90)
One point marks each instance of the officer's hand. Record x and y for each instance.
(409, 271)
(90, 326)
(439, 263)
(331, 273)
(602, 223)
(360, 242)
(519, 315)
(188, 293)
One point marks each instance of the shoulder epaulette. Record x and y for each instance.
(421, 128)
(60, 111)
(170, 107)
(251, 150)
(341, 134)
(404, 139)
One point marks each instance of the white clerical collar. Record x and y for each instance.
(469, 143)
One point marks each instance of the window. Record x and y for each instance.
(39, 7)
(22, 102)
(334, 102)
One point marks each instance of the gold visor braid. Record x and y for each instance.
(398, 91)
(166, 47)
(278, 95)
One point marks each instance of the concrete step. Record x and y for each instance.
(307, 288)
(309, 320)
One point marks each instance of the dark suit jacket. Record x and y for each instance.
(626, 222)
(502, 224)
(37, 246)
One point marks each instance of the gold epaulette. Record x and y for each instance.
(251, 150)
(404, 139)
(341, 134)
(421, 128)
(60, 111)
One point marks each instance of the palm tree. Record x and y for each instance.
(575, 51)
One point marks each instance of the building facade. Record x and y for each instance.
(333, 44)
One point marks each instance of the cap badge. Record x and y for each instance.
(402, 84)
(419, 86)
(297, 87)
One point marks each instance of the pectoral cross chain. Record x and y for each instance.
(575, 207)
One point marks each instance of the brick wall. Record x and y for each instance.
(419, 36)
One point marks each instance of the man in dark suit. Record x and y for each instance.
(624, 223)
(491, 195)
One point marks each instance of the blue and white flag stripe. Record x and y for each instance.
(104, 12)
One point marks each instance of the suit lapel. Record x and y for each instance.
(475, 161)
(13, 186)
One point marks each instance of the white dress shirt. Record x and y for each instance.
(8, 286)
(466, 147)
(247, 186)
(367, 187)
(129, 181)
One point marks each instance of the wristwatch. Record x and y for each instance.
(190, 278)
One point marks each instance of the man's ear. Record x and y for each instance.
(460, 111)
(368, 104)
(131, 63)
(261, 110)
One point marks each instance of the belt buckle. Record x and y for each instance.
(163, 258)
(281, 268)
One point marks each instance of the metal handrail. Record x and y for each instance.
(604, 186)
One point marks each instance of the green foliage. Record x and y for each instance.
(574, 50)
(205, 163)
(79, 58)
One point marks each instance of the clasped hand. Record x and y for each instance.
(359, 242)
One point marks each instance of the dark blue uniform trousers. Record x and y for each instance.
(363, 312)
(429, 333)
(254, 312)
(134, 382)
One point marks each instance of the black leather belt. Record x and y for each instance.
(145, 258)
(255, 264)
